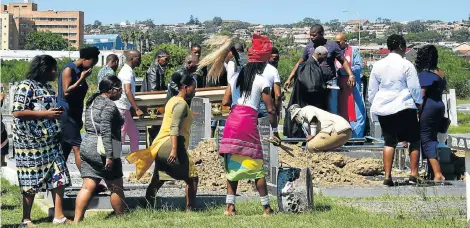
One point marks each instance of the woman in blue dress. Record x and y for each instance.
(433, 83)
(72, 91)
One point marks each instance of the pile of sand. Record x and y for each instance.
(328, 169)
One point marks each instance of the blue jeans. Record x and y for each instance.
(262, 111)
(359, 125)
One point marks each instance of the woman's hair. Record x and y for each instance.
(182, 77)
(247, 77)
(105, 85)
(395, 41)
(40, 65)
(235, 54)
(426, 58)
(89, 53)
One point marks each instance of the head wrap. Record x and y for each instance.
(260, 50)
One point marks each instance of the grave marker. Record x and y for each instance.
(201, 127)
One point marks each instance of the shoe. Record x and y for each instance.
(389, 182)
(63, 220)
(26, 224)
(414, 180)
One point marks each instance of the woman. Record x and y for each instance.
(169, 149)
(433, 83)
(241, 144)
(72, 91)
(36, 137)
(335, 130)
(102, 118)
(395, 94)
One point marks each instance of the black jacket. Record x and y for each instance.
(154, 79)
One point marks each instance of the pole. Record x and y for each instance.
(360, 22)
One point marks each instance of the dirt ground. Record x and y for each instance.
(328, 169)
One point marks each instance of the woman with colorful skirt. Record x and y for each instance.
(241, 143)
(169, 149)
(36, 138)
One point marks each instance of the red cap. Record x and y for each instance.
(260, 50)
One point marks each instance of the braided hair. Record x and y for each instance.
(247, 77)
(395, 41)
(426, 58)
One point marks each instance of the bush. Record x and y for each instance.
(457, 72)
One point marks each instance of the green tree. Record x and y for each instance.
(191, 20)
(307, 22)
(415, 27)
(217, 21)
(125, 36)
(462, 35)
(426, 36)
(45, 41)
(457, 72)
(395, 28)
(97, 24)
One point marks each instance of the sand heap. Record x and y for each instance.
(328, 169)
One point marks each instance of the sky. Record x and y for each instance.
(259, 11)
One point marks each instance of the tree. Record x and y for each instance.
(97, 24)
(427, 36)
(217, 21)
(176, 53)
(125, 36)
(395, 28)
(191, 20)
(462, 35)
(307, 22)
(415, 26)
(457, 72)
(146, 37)
(38, 40)
(335, 25)
(196, 21)
(159, 36)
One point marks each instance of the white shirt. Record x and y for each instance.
(127, 76)
(393, 86)
(272, 74)
(230, 68)
(259, 84)
(327, 122)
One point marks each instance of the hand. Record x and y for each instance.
(351, 81)
(287, 84)
(109, 164)
(139, 112)
(52, 113)
(309, 137)
(173, 156)
(405, 144)
(276, 139)
(86, 73)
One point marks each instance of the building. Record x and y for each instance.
(9, 33)
(107, 42)
(27, 18)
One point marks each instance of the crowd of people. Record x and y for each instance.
(46, 125)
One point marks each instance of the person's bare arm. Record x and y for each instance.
(67, 85)
(288, 83)
(34, 115)
(130, 97)
(272, 115)
(227, 100)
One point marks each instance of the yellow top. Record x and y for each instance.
(143, 159)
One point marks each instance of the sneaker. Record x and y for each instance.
(414, 180)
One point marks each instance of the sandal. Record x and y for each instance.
(389, 182)
(26, 224)
(63, 220)
(414, 180)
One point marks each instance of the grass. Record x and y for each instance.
(463, 101)
(327, 213)
(464, 124)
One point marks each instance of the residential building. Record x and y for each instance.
(356, 21)
(27, 18)
(9, 33)
(107, 42)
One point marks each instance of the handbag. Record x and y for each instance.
(116, 144)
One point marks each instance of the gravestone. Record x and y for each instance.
(201, 127)
(270, 156)
(450, 103)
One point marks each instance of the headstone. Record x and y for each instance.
(201, 128)
(270, 156)
(450, 102)
(219, 134)
(294, 190)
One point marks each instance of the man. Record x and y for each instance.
(350, 102)
(334, 52)
(190, 66)
(335, 131)
(196, 49)
(309, 89)
(272, 74)
(112, 63)
(127, 100)
(155, 76)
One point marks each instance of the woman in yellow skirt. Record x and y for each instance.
(169, 149)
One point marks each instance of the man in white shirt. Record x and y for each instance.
(272, 75)
(127, 100)
(395, 94)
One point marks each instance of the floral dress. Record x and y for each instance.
(39, 158)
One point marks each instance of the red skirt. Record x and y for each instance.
(241, 136)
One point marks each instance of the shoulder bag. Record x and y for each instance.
(117, 145)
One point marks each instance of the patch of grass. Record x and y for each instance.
(464, 124)
(463, 101)
(12, 206)
(326, 213)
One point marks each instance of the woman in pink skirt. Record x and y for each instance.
(241, 143)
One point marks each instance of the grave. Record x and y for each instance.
(201, 128)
